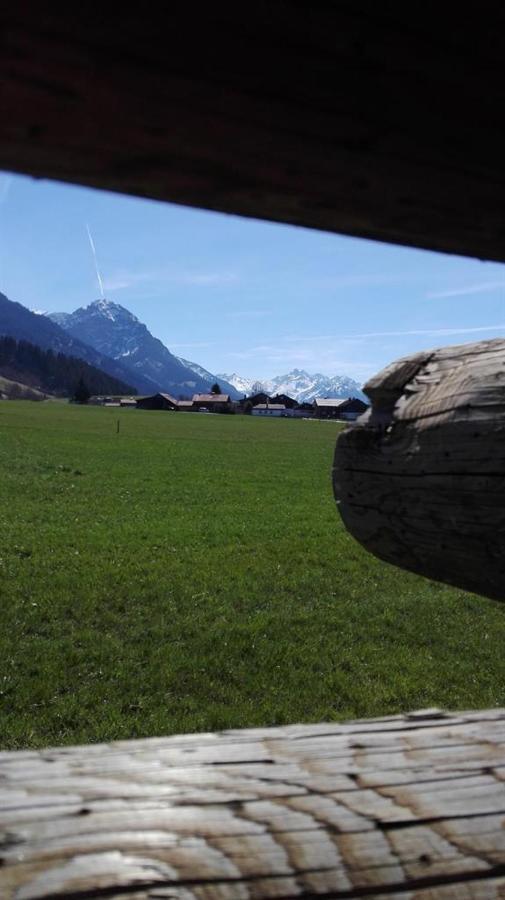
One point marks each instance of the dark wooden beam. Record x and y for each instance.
(384, 120)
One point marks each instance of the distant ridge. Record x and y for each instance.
(300, 385)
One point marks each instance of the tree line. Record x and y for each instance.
(54, 373)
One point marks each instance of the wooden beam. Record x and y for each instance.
(369, 119)
(420, 478)
(373, 808)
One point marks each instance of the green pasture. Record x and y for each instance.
(192, 573)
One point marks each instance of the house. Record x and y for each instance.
(157, 401)
(212, 402)
(128, 402)
(185, 405)
(346, 409)
(260, 397)
(289, 402)
(269, 409)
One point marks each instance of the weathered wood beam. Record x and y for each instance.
(405, 805)
(374, 120)
(420, 478)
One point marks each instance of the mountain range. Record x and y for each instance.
(109, 337)
(300, 385)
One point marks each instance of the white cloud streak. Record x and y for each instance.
(122, 279)
(483, 287)
(99, 277)
(414, 332)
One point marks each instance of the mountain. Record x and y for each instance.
(226, 386)
(18, 322)
(300, 385)
(241, 385)
(114, 331)
(54, 373)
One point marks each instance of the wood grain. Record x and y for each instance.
(420, 478)
(410, 805)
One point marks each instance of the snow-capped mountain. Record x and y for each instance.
(21, 323)
(114, 331)
(304, 387)
(242, 385)
(300, 385)
(226, 386)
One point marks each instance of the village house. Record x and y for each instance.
(269, 409)
(260, 397)
(157, 401)
(211, 402)
(289, 402)
(346, 409)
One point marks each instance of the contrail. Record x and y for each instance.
(92, 245)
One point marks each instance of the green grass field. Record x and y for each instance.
(192, 573)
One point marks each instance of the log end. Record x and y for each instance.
(420, 478)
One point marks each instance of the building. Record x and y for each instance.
(255, 399)
(185, 405)
(157, 401)
(289, 402)
(346, 409)
(211, 402)
(269, 409)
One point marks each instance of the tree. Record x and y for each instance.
(215, 389)
(81, 393)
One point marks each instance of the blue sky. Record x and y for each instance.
(240, 295)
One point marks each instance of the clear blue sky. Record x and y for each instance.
(239, 295)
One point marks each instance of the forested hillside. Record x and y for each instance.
(53, 372)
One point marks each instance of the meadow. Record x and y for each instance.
(192, 573)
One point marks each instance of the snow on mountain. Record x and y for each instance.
(227, 387)
(21, 323)
(242, 385)
(305, 387)
(113, 330)
(300, 385)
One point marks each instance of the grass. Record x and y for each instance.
(192, 573)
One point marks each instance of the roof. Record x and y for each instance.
(211, 398)
(331, 401)
(184, 403)
(157, 394)
(269, 406)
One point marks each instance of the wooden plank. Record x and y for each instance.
(408, 805)
(369, 119)
(420, 478)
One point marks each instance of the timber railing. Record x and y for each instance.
(408, 806)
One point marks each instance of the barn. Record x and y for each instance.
(157, 401)
(212, 402)
(338, 408)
